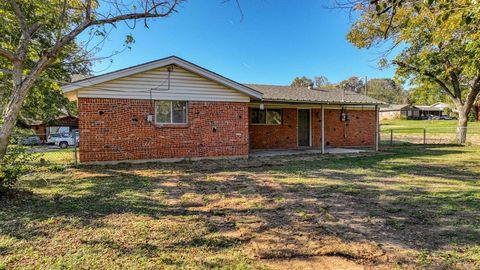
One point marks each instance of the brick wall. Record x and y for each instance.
(316, 128)
(358, 131)
(282, 136)
(116, 129)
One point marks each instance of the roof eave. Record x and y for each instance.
(322, 102)
(172, 60)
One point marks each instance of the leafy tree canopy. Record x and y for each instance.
(427, 94)
(322, 81)
(38, 46)
(354, 84)
(45, 101)
(387, 90)
(439, 42)
(301, 82)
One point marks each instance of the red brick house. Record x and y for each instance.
(173, 109)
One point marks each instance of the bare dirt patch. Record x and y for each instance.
(406, 209)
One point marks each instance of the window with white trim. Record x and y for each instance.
(266, 116)
(170, 112)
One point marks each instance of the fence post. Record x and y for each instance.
(377, 128)
(75, 147)
(391, 137)
(424, 136)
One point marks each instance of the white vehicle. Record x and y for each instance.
(67, 140)
(52, 138)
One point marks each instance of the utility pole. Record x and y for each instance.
(366, 88)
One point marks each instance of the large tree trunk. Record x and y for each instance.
(20, 91)
(6, 131)
(11, 114)
(462, 126)
(464, 110)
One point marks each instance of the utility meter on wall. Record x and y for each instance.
(344, 115)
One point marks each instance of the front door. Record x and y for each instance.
(303, 127)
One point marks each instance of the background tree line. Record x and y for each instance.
(386, 90)
(383, 89)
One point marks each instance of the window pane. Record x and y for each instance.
(163, 111)
(258, 116)
(179, 111)
(255, 116)
(274, 116)
(262, 116)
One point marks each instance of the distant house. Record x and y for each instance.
(61, 125)
(441, 105)
(405, 111)
(435, 109)
(397, 111)
(173, 109)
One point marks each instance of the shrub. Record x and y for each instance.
(19, 133)
(472, 116)
(57, 168)
(17, 162)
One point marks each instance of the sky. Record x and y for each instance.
(274, 41)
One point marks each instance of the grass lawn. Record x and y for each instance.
(401, 209)
(441, 126)
(436, 131)
(56, 156)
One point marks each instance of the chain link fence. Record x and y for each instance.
(428, 135)
(62, 149)
(50, 149)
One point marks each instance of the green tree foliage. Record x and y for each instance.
(36, 36)
(301, 82)
(322, 82)
(387, 90)
(354, 84)
(427, 94)
(473, 115)
(439, 44)
(45, 101)
(17, 162)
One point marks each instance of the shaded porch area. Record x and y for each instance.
(289, 152)
(312, 128)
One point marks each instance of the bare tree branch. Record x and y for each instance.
(19, 14)
(133, 16)
(428, 74)
(26, 30)
(8, 54)
(474, 92)
(23, 83)
(237, 2)
(88, 10)
(390, 21)
(455, 83)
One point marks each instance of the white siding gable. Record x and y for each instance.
(184, 85)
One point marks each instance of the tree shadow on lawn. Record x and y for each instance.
(312, 206)
(420, 206)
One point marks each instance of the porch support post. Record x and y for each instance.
(323, 130)
(377, 134)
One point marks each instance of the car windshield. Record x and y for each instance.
(55, 135)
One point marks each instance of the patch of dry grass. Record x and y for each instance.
(412, 208)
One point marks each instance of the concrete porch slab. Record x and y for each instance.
(335, 151)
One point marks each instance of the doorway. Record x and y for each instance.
(304, 128)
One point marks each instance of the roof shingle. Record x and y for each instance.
(314, 95)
